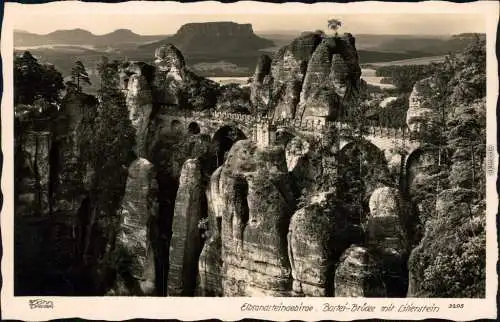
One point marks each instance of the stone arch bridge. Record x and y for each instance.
(262, 130)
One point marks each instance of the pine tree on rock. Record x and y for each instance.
(79, 75)
(34, 81)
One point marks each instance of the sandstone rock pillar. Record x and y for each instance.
(135, 258)
(210, 263)
(358, 275)
(258, 202)
(386, 235)
(185, 245)
(139, 104)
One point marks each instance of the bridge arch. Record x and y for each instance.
(422, 160)
(194, 128)
(224, 138)
(362, 168)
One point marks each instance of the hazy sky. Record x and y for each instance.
(151, 24)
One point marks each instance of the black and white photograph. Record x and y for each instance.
(323, 154)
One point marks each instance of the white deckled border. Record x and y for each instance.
(119, 308)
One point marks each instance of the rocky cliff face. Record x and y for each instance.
(134, 254)
(33, 167)
(308, 78)
(186, 243)
(170, 72)
(253, 233)
(140, 105)
(50, 186)
(210, 264)
(358, 275)
(421, 115)
(385, 229)
(175, 85)
(385, 234)
(319, 234)
(71, 180)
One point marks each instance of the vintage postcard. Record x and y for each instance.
(249, 160)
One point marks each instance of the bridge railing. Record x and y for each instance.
(234, 116)
(316, 125)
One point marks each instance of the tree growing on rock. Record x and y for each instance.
(111, 152)
(334, 24)
(34, 81)
(79, 75)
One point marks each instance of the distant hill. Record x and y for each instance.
(214, 37)
(81, 37)
(408, 46)
(427, 45)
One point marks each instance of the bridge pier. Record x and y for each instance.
(264, 134)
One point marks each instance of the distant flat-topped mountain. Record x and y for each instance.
(214, 37)
(81, 37)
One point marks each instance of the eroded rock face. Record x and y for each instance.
(169, 59)
(210, 263)
(333, 75)
(259, 89)
(420, 169)
(358, 275)
(319, 234)
(308, 78)
(73, 123)
(386, 235)
(384, 222)
(139, 103)
(421, 114)
(176, 87)
(186, 244)
(170, 73)
(294, 151)
(32, 176)
(135, 258)
(318, 69)
(288, 71)
(258, 202)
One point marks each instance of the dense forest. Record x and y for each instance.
(404, 77)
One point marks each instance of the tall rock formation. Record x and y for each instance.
(260, 87)
(384, 224)
(176, 86)
(186, 244)
(387, 237)
(74, 122)
(318, 234)
(358, 275)
(288, 70)
(332, 79)
(210, 264)
(312, 77)
(255, 203)
(33, 168)
(421, 115)
(134, 254)
(170, 72)
(140, 105)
